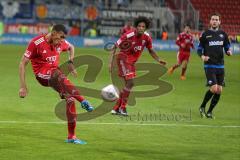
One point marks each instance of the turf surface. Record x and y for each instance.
(30, 129)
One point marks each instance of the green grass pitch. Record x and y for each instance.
(29, 128)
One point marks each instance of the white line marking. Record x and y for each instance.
(123, 124)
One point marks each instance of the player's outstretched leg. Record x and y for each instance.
(72, 118)
(61, 84)
(171, 69)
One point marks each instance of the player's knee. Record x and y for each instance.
(214, 89)
(219, 90)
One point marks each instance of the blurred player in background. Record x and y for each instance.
(212, 43)
(127, 28)
(43, 51)
(185, 43)
(131, 45)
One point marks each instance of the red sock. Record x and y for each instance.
(124, 97)
(71, 117)
(119, 102)
(183, 71)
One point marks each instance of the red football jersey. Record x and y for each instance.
(187, 39)
(44, 56)
(134, 45)
(126, 29)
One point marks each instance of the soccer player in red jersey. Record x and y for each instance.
(44, 52)
(131, 45)
(185, 43)
(127, 28)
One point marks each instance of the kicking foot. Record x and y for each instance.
(87, 106)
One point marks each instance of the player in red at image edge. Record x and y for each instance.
(131, 46)
(44, 52)
(185, 43)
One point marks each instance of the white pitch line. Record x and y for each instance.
(123, 124)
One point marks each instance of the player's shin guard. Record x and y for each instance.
(118, 104)
(71, 117)
(214, 102)
(207, 97)
(124, 97)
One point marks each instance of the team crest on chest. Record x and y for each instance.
(143, 42)
(221, 35)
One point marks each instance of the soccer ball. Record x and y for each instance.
(110, 93)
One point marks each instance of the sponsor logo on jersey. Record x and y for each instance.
(51, 59)
(215, 43)
(137, 48)
(209, 36)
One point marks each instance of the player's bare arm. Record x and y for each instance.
(111, 57)
(22, 69)
(155, 56)
(70, 62)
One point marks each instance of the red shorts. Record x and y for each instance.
(125, 69)
(55, 79)
(43, 76)
(43, 82)
(183, 56)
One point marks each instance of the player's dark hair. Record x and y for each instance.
(144, 20)
(215, 14)
(187, 25)
(59, 28)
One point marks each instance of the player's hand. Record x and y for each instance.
(74, 73)
(183, 45)
(229, 53)
(162, 62)
(205, 58)
(23, 92)
(72, 70)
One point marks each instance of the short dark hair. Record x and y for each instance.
(187, 25)
(215, 14)
(59, 28)
(144, 20)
